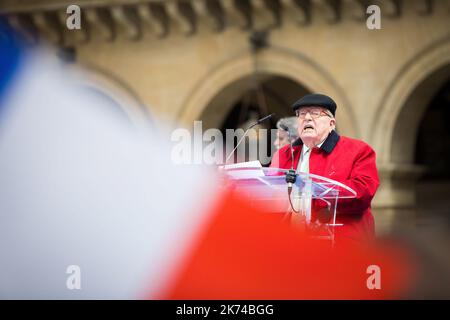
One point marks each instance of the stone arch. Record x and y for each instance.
(401, 110)
(273, 61)
(115, 89)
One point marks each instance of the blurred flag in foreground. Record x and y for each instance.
(84, 191)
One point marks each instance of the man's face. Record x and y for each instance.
(282, 139)
(314, 124)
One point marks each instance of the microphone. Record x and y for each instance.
(245, 133)
(285, 128)
(264, 119)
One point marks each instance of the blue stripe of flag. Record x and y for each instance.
(10, 56)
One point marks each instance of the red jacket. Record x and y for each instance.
(351, 162)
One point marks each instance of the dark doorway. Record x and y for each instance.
(273, 95)
(433, 152)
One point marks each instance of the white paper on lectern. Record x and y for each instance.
(245, 174)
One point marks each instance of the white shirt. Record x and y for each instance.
(301, 203)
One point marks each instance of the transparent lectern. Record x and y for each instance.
(266, 189)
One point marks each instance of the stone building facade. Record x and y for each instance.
(192, 60)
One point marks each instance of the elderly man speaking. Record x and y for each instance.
(322, 151)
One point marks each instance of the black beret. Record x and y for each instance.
(316, 100)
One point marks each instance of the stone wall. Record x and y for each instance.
(176, 58)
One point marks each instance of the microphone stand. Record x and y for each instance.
(245, 133)
(291, 175)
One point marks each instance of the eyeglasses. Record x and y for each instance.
(315, 113)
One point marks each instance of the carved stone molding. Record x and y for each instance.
(105, 20)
